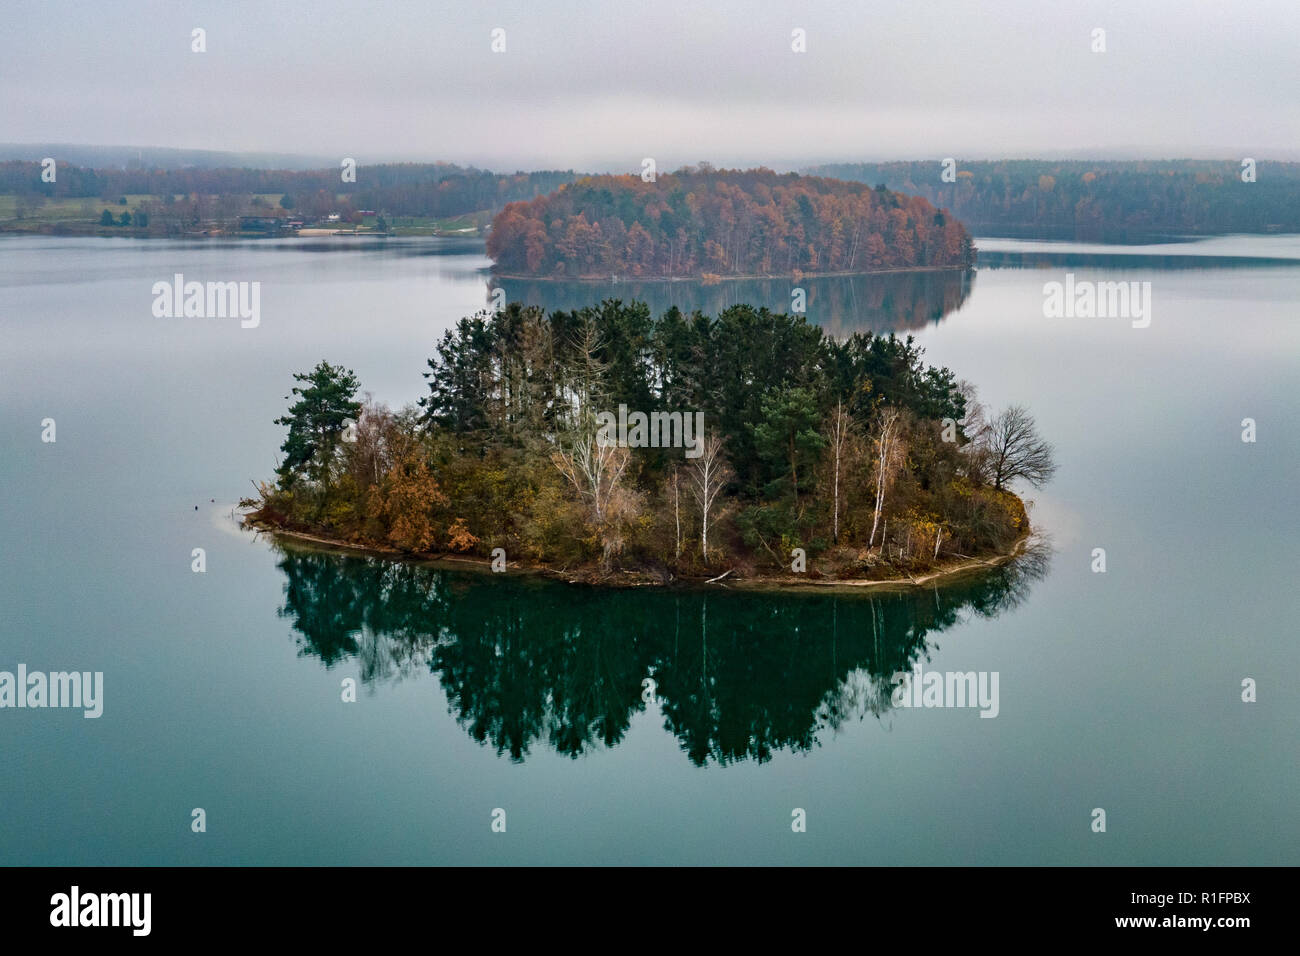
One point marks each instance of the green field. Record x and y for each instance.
(89, 211)
(470, 224)
(66, 210)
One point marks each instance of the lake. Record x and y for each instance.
(223, 690)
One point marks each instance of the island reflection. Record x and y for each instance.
(528, 662)
(875, 302)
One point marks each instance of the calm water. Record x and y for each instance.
(222, 690)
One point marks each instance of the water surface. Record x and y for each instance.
(1118, 690)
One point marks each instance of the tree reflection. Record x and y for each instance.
(877, 302)
(738, 675)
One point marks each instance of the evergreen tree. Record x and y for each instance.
(317, 421)
(787, 439)
(461, 380)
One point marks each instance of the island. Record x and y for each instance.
(610, 446)
(707, 223)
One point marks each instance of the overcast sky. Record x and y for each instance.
(603, 84)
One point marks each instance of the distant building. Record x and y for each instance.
(264, 224)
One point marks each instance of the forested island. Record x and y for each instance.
(1099, 199)
(701, 222)
(612, 446)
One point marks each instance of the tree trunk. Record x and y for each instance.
(677, 515)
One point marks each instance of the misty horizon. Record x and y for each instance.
(166, 157)
(599, 88)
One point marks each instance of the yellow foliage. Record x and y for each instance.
(459, 537)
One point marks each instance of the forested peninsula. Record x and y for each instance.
(704, 223)
(611, 446)
(1099, 200)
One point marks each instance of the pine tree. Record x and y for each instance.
(317, 422)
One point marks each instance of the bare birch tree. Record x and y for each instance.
(888, 457)
(840, 432)
(709, 474)
(675, 480)
(594, 469)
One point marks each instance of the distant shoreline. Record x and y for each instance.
(62, 231)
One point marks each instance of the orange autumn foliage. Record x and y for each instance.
(406, 503)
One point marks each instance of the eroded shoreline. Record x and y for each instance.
(949, 573)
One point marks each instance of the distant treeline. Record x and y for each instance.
(1087, 199)
(702, 222)
(755, 222)
(401, 189)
